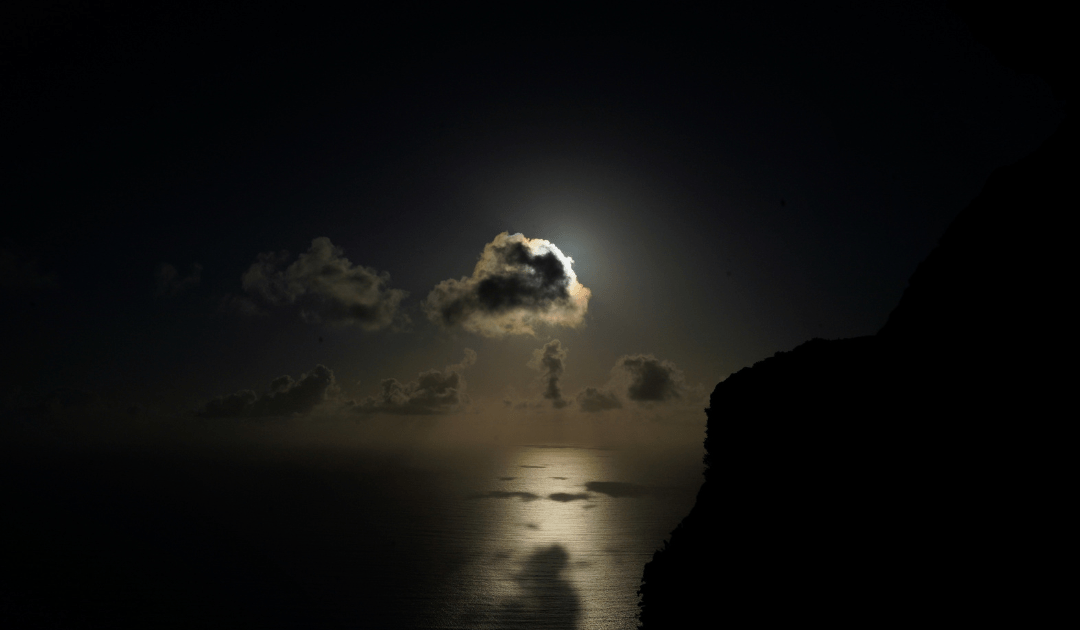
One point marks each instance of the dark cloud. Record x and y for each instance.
(505, 494)
(328, 287)
(170, 283)
(565, 497)
(549, 360)
(651, 379)
(434, 392)
(641, 378)
(594, 400)
(517, 284)
(617, 489)
(286, 397)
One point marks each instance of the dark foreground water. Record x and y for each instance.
(525, 536)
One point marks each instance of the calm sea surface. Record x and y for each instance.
(559, 538)
(522, 537)
(526, 536)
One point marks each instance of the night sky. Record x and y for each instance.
(215, 213)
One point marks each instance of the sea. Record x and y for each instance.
(448, 537)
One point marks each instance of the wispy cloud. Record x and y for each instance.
(170, 283)
(328, 287)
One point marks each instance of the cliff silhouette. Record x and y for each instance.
(919, 473)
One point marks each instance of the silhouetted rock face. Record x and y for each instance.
(914, 475)
(904, 476)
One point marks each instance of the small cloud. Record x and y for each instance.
(651, 379)
(169, 283)
(593, 400)
(549, 360)
(641, 378)
(286, 397)
(517, 284)
(328, 287)
(434, 392)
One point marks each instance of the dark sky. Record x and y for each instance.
(729, 183)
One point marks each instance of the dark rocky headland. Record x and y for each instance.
(919, 475)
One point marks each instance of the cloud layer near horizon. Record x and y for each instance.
(517, 284)
(328, 286)
(286, 396)
(434, 392)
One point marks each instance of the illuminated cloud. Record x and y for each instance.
(549, 361)
(327, 285)
(434, 392)
(651, 379)
(286, 397)
(593, 400)
(517, 284)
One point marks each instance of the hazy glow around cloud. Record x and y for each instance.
(517, 284)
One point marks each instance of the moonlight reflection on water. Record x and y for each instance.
(287, 535)
(563, 542)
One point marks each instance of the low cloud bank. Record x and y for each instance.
(593, 400)
(434, 392)
(286, 397)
